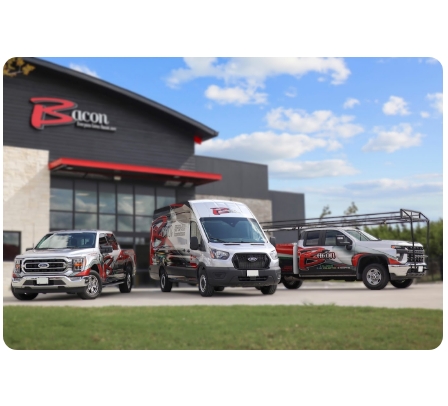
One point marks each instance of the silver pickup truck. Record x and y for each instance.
(73, 261)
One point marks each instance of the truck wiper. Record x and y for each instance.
(216, 239)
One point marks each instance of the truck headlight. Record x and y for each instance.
(273, 255)
(17, 265)
(78, 264)
(218, 254)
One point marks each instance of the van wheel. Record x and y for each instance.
(219, 288)
(165, 284)
(126, 286)
(291, 283)
(93, 288)
(23, 296)
(375, 277)
(405, 283)
(268, 290)
(205, 289)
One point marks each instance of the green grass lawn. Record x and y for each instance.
(221, 328)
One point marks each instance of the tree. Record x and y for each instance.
(325, 212)
(352, 209)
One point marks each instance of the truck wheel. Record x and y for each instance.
(205, 289)
(93, 288)
(291, 283)
(375, 277)
(126, 286)
(405, 283)
(219, 288)
(165, 284)
(23, 296)
(268, 290)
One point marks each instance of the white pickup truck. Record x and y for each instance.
(336, 248)
(73, 261)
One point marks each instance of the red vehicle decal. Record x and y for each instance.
(220, 210)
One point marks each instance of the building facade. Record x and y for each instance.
(79, 152)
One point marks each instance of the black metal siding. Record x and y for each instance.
(239, 179)
(143, 137)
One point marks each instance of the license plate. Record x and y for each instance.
(252, 273)
(420, 269)
(42, 281)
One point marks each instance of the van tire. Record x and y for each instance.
(205, 289)
(405, 283)
(268, 290)
(375, 276)
(165, 284)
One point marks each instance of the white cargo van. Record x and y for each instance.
(214, 244)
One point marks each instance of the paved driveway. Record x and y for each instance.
(421, 295)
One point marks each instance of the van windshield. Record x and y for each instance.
(232, 229)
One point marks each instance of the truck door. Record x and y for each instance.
(338, 260)
(107, 259)
(119, 258)
(194, 255)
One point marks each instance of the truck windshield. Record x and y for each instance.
(362, 235)
(67, 240)
(232, 230)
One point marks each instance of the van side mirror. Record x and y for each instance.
(194, 243)
(106, 249)
(273, 241)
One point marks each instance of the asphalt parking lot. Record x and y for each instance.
(420, 295)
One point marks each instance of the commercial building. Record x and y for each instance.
(79, 152)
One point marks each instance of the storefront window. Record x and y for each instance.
(107, 222)
(61, 220)
(107, 198)
(143, 224)
(11, 245)
(125, 199)
(85, 197)
(85, 221)
(144, 200)
(125, 223)
(61, 199)
(165, 197)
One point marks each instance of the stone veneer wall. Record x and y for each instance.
(261, 208)
(26, 198)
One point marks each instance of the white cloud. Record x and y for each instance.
(83, 69)
(438, 101)
(321, 122)
(263, 146)
(250, 74)
(291, 92)
(396, 106)
(399, 137)
(350, 103)
(310, 169)
(235, 95)
(424, 114)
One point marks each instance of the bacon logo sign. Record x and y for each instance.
(40, 112)
(309, 257)
(220, 210)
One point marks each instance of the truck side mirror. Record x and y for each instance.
(194, 243)
(273, 241)
(29, 249)
(343, 242)
(106, 249)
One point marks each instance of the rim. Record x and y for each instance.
(374, 276)
(202, 283)
(92, 286)
(162, 280)
(128, 280)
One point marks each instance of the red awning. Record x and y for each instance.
(175, 177)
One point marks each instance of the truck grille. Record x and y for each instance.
(241, 261)
(54, 265)
(418, 255)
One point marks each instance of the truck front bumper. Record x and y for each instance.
(60, 283)
(407, 271)
(227, 276)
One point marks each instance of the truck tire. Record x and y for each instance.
(205, 289)
(292, 283)
(165, 284)
(268, 290)
(219, 288)
(93, 288)
(23, 296)
(405, 283)
(375, 277)
(126, 286)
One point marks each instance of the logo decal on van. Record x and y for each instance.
(220, 210)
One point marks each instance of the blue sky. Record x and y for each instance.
(363, 129)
